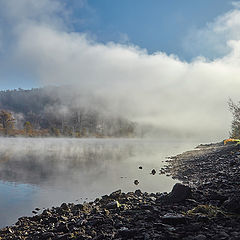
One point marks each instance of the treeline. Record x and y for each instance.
(235, 109)
(48, 112)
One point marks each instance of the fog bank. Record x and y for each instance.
(161, 90)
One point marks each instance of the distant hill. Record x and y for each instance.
(63, 112)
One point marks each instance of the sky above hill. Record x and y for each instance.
(148, 58)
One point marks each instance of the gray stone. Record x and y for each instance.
(200, 237)
(179, 193)
(115, 194)
(138, 192)
(232, 204)
(174, 219)
(113, 205)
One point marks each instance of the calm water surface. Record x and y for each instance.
(47, 172)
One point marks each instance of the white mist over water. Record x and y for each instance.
(46, 172)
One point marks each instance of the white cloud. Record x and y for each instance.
(157, 88)
(212, 41)
(236, 4)
(25, 11)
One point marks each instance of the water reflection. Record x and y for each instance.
(15, 201)
(46, 172)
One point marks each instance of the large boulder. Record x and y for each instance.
(179, 193)
(232, 204)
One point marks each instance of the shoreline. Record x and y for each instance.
(206, 206)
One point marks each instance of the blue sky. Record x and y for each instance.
(154, 25)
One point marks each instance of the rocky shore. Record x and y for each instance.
(205, 206)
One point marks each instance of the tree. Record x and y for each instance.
(50, 112)
(55, 131)
(28, 128)
(7, 121)
(235, 109)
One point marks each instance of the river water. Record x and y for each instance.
(38, 172)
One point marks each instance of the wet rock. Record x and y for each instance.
(194, 227)
(223, 235)
(64, 237)
(113, 205)
(115, 194)
(200, 237)
(153, 172)
(146, 207)
(217, 196)
(203, 219)
(96, 221)
(63, 227)
(64, 206)
(48, 235)
(47, 213)
(7, 230)
(81, 222)
(136, 182)
(174, 219)
(236, 234)
(138, 192)
(53, 219)
(232, 204)
(127, 233)
(161, 171)
(179, 193)
(63, 218)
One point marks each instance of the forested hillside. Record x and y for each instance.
(50, 111)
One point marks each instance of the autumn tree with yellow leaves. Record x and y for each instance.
(7, 122)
